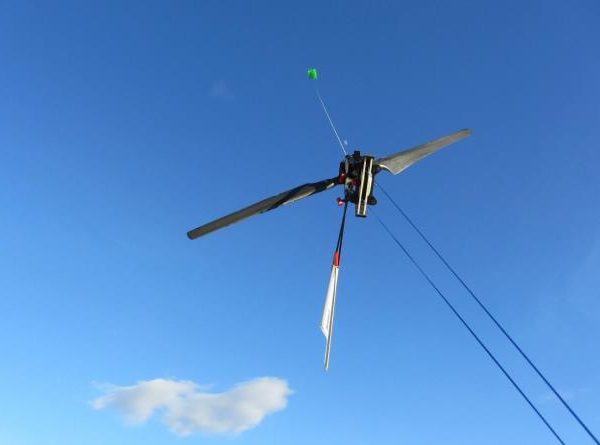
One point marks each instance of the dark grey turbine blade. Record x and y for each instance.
(264, 206)
(400, 161)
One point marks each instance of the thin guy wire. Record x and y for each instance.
(466, 325)
(331, 122)
(489, 314)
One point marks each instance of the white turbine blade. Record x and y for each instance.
(328, 312)
(329, 301)
(400, 161)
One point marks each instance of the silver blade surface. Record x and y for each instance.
(265, 205)
(328, 312)
(400, 161)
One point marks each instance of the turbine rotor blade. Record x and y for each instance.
(265, 205)
(400, 161)
(329, 311)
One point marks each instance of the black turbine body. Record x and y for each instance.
(356, 173)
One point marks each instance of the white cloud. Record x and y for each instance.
(584, 287)
(220, 89)
(187, 409)
(567, 394)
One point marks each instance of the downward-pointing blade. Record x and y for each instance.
(328, 312)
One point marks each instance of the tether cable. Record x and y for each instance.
(489, 314)
(466, 325)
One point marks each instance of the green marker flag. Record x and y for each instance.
(312, 74)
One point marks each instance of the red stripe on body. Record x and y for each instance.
(336, 258)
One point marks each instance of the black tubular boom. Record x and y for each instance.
(340, 240)
(489, 314)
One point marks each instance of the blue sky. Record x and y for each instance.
(122, 126)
